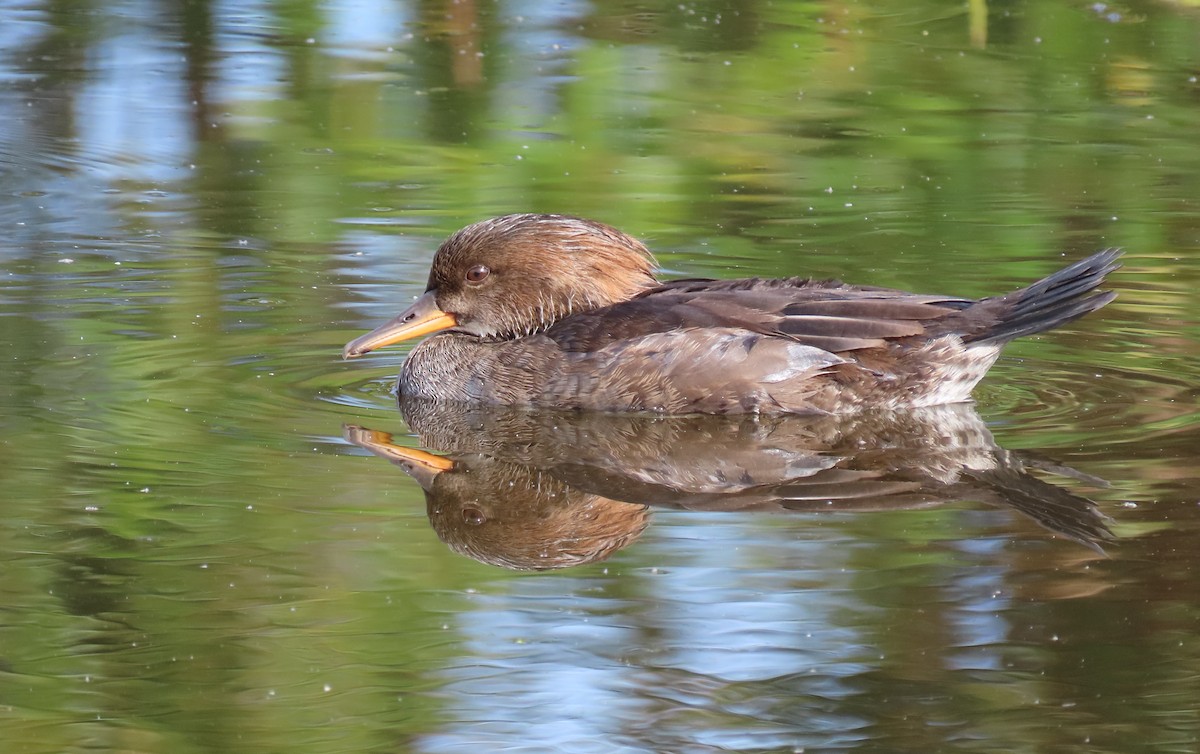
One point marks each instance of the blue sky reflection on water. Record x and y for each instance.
(729, 623)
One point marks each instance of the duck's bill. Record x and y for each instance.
(418, 464)
(422, 318)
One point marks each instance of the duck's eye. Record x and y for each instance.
(478, 273)
(473, 516)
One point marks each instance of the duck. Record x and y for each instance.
(562, 312)
(546, 489)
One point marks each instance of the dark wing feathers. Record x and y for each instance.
(874, 307)
(836, 317)
(824, 314)
(804, 325)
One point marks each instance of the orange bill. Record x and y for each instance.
(422, 318)
(419, 464)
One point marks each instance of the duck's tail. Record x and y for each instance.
(1062, 297)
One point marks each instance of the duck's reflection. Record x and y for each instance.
(535, 490)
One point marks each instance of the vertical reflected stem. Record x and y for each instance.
(977, 19)
(463, 25)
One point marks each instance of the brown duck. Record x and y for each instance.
(563, 312)
(551, 489)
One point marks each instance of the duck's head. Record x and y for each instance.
(512, 276)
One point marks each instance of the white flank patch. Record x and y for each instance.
(802, 359)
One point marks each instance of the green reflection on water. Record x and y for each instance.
(201, 206)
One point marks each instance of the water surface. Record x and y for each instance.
(202, 202)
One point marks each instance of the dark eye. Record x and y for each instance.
(473, 516)
(478, 273)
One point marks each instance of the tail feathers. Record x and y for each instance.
(1052, 301)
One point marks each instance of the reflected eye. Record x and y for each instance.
(473, 516)
(478, 273)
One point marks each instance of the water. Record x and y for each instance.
(202, 203)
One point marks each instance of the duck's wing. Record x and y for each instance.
(838, 318)
(828, 315)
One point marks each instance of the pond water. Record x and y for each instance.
(205, 547)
